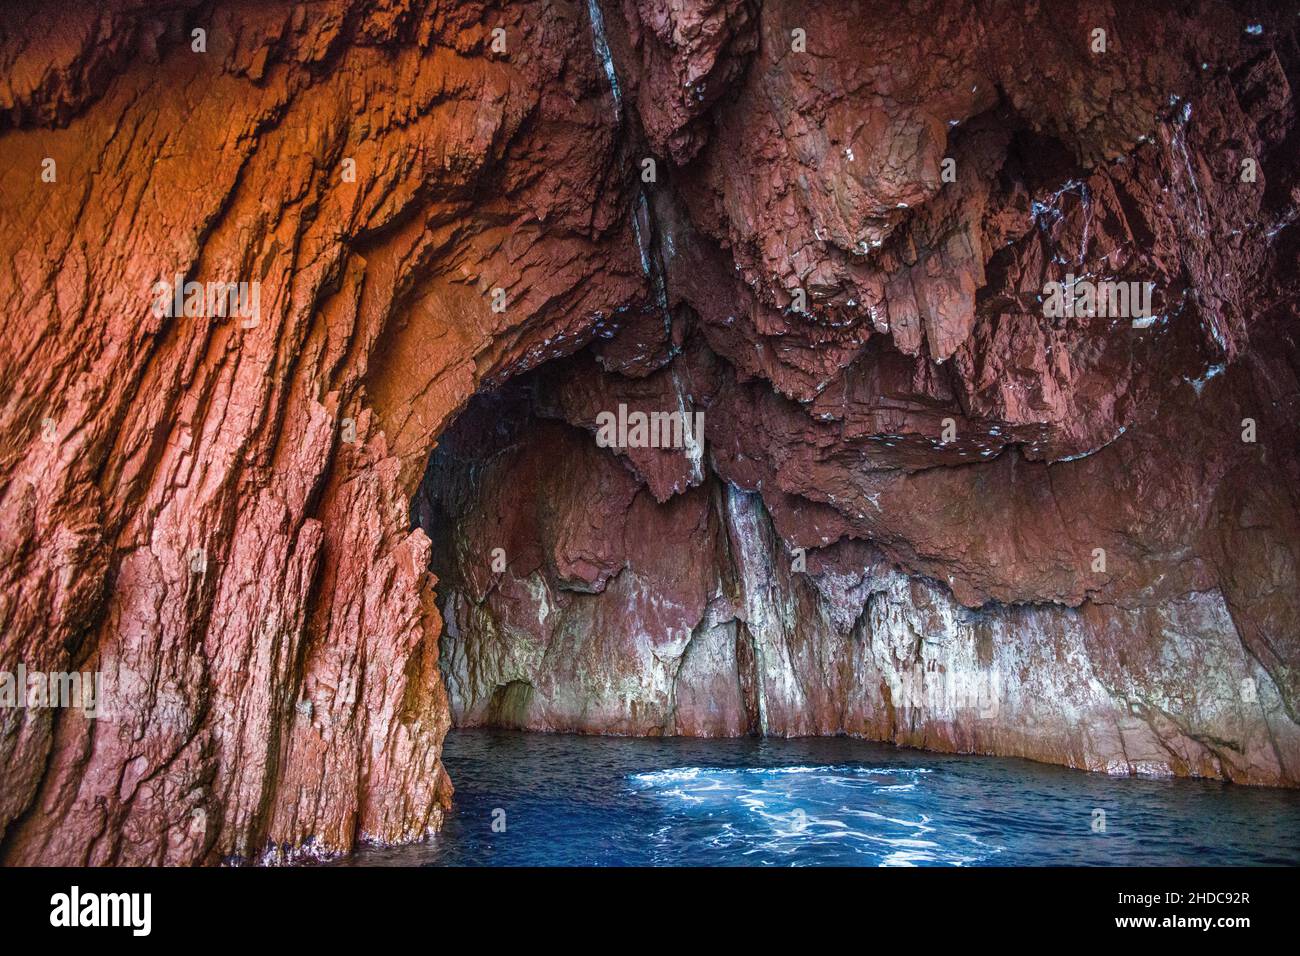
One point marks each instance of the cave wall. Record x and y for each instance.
(285, 698)
(575, 601)
(1075, 437)
(216, 514)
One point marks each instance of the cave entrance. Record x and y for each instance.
(585, 588)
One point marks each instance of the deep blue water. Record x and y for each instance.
(607, 801)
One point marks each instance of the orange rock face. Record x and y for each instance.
(842, 255)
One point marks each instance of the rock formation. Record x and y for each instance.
(927, 506)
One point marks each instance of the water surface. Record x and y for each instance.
(609, 801)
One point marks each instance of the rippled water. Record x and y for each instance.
(570, 800)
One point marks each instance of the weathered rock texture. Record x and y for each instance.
(228, 519)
